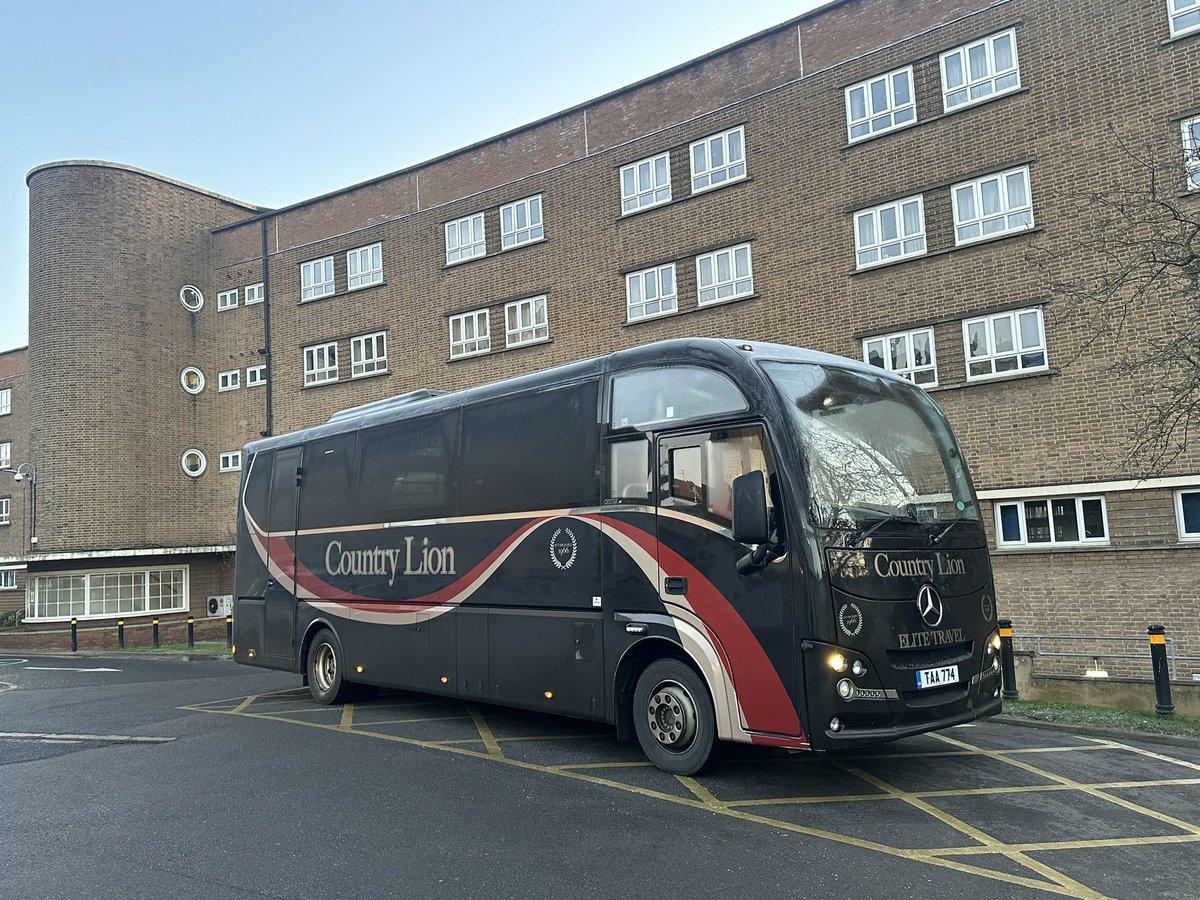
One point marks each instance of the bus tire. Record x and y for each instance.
(673, 717)
(325, 665)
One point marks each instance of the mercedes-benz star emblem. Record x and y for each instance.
(929, 605)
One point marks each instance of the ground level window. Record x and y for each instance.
(8, 579)
(1057, 520)
(97, 594)
(1187, 514)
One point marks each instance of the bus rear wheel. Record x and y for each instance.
(325, 664)
(673, 717)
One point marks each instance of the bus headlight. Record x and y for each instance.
(858, 668)
(845, 689)
(837, 662)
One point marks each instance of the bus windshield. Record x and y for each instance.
(876, 449)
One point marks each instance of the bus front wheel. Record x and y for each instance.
(673, 717)
(325, 664)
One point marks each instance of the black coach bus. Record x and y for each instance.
(692, 540)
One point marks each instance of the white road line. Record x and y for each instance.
(12, 662)
(94, 738)
(66, 669)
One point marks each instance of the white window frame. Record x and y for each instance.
(986, 86)
(256, 375)
(889, 115)
(879, 248)
(368, 355)
(706, 175)
(201, 462)
(1019, 350)
(1190, 134)
(1182, 9)
(5, 454)
(516, 234)
(231, 461)
(229, 381)
(924, 374)
(320, 363)
(479, 341)
(526, 322)
(654, 287)
(466, 238)
(741, 285)
(182, 572)
(316, 279)
(364, 266)
(645, 184)
(1050, 501)
(227, 300)
(1179, 522)
(254, 294)
(5, 401)
(8, 577)
(972, 225)
(5, 510)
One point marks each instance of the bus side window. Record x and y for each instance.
(258, 486)
(325, 491)
(405, 470)
(629, 471)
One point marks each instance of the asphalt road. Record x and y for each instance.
(168, 778)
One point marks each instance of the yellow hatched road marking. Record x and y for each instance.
(1161, 757)
(705, 800)
(347, 716)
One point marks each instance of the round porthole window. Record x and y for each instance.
(192, 380)
(191, 298)
(193, 463)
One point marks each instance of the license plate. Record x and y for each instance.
(931, 678)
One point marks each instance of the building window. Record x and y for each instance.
(521, 222)
(368, 354)
(646, 183)
(1057, 520)
(724, 275)
(8, 579)
(316, 278)
(231, 462)
(525, 322)
(5, 454)
(229, 381)
(5, 401)
(254, 293)
(465, 239)
(193, 463)
(992, 206)
(227, 299)
(889, 232)
(5, 510)
(85, 595)
(364, 267)
(470, 334)
(1185, 16)
(980, 71)
(320, 363)
(1191, 150)
(719, 159)
(1187, 514)
(191, 297)
(880, 104)
(256, 375)
(907, 353)
(651, 292)
(1004, 343)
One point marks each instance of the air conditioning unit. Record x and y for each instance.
(221, 605)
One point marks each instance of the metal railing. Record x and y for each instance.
(1173, 657)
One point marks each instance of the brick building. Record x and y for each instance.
(869, 179)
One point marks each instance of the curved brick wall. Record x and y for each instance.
(109, 248)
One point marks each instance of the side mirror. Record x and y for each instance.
(750, 508)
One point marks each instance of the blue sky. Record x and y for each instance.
(274, 102)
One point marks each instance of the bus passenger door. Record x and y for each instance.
(280, 644)
(749, 616)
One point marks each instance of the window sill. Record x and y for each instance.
(487, 353)
(520, 246)
(1001, 379)
(321, 384)
(366, 287)
(945, 114)
(374, 374)
(690, 310)
(470, 259)
(675, 201)
(957, 248)
(305, 302)
(1182, 36)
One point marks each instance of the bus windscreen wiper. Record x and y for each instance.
(856, 539)
(937, 538)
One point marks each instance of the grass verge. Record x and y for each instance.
(1131, 720)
